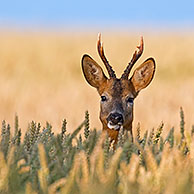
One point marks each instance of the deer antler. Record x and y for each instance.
(135, 57)
(102, 56)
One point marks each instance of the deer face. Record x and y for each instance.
(116, 106)
(117, 95)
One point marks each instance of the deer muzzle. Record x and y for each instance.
(115, 121)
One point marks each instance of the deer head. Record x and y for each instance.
(117, 94)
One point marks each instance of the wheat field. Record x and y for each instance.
(41, 78)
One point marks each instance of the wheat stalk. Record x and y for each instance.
(43, 173)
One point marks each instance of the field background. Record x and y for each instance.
(41, 78)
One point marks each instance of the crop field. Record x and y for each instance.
(41, 78)
(41, 84)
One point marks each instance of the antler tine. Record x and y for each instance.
(135, 57)
(102, 56)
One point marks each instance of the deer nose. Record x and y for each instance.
(115, 118)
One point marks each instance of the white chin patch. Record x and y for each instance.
(114, 127)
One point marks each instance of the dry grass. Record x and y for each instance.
(41, 78)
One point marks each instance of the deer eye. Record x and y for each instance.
(103, 98)
(130, 100)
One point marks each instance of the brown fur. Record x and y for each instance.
(118, 89)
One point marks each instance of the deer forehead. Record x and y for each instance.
(117, 88)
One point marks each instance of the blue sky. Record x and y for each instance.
(61, 14)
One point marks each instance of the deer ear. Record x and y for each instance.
(92, 72)
(143, 75)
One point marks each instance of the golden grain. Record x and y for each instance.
(43, 173)
(41, 77)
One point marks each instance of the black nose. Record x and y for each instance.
(115, 118)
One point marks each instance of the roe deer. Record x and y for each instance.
(117, 95)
